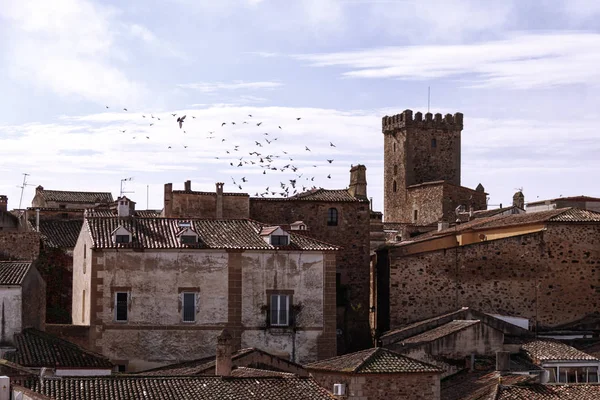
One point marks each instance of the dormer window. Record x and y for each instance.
(187, 235)
(188, 239)
(280, 240)
(121, 235)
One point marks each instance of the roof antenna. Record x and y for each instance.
(428, 97)
(22, 187)
(125, 180)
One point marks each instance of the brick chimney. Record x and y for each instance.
(168, 200)
(519, 200)
(224, 350)
(188, 186)
(3, 203)
(219, 211)
(358, 181)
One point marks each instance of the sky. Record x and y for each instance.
(524, 74)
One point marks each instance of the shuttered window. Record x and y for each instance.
(280, 310)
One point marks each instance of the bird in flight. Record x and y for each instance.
(331, 144)
(223, 123)
(298, 119)
(329, 161)
(306, 147)
(124, 131)
(106, 106)
(174, 114)
(124, 109)
(193, 117)
(259, 124)
(329, 176)
(180, 120)
(250, 115)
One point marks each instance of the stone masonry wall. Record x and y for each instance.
(204, 205)
(410, 386)
(501, 276)
(353, 234)
(19, 245)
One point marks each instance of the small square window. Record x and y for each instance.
(122, 239)
(280, 310)
(189, 307)
(121, 306)
(279, 240)
(122, 368)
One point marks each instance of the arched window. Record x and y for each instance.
(332, 217)
(394, 186)
(394, 147)
(395, 169)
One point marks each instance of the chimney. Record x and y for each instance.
(224, 350)
(358, 181)
(37, 219)
(40, 188)
(188, 185)
(168, 201)
(443, 225)
(3, 203)
(219, 210)
(519, 200)
(123, 207)
(502, 361)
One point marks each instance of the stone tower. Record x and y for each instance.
(418, 150)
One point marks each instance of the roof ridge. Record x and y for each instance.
(49, 336)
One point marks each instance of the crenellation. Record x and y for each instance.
(391, 124)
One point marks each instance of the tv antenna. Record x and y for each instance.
(428, 97)
(23, 186)
(125, 180)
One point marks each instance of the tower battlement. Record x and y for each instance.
(431, 121)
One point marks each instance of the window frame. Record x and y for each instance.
(116, 305)
(289, 295)
(279, 238)
(190, 239)
(117, 241)
(194, 305)
(434, 143)
(333, 216)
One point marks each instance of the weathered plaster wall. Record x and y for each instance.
(19, 245)
(414, 386)
(300, 346)
(12, 306)
(501, 276)
(34, 300)
(82, 260)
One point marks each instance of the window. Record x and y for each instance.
(280, 310)
(188, 239)
(332, 217)
(394, 147)
(394, 186)
(279, 240)
(433, 143)
(84, 251)
(122, 239)
(416, 215)
(121, 306)
(121, 368)
(189, 307)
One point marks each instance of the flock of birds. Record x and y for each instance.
(270, 161)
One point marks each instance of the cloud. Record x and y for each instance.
(211, 87)
(520, 62)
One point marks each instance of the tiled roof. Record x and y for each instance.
(327, 195)
(204, 365)
(161, 233)
(465, 216)
(103, 212)
(255, 372)
(373, 361)
(477, 385)
(548, 392)
(75, 197)
(573, 198)
(13, 272)
(576, 215)
(443, 318)
(40, 349)
(441, 331)
(59, 233)
(552, 350)
(124, 387)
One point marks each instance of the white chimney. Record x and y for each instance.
(123, 207)
(224, 350)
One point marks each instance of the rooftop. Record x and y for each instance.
(477, 385)
(256, 373)
(548, 392)
(441, 331)
(74, 197)
(13, 272)
(38, 349)
(552, 350)
(377, 360)
(320, 194)
(127, 387)
(161, 233)
(59, 233)
(572, 198)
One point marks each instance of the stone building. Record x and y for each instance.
(8, 221)
(156, 291)
(340, 217)
(377, 374)
(68, 200)
(422, 169)
(22, 292)
(582, 202)
(541, 266)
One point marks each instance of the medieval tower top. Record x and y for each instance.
(418, 150)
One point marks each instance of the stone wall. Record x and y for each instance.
(192, 204)
(19, 245)
(409, 386)
(353, 234)
(33, 312)
(553, 274)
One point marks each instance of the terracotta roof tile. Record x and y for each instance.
(161, 233)
(255, 372)
(370, 361)
(40, 349)
(573, 198)
(59, 233)
(478, 385)
(179, 388)
(13, 272)
(442, 319)
(76, 197)
(551, 350)
(327, 195)
(441, 331)
(548, 392)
